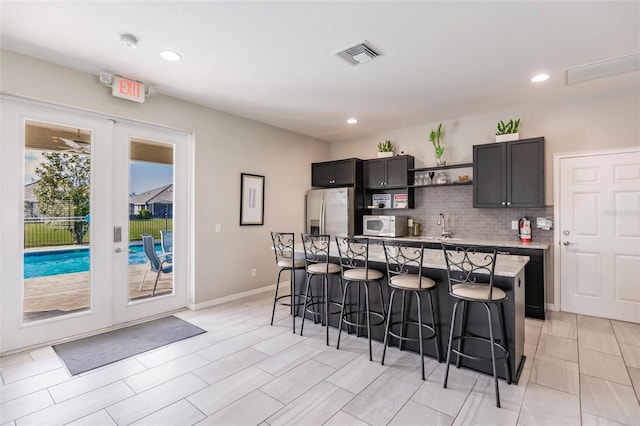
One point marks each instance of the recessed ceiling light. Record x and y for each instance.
(352, 121)
(129, 40)
(170, 55)
(540, 77)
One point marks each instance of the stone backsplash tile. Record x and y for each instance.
(456, 203)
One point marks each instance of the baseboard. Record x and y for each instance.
(552, 307)
(232, 297)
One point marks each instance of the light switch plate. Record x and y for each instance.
(218, 228)
(514, 225)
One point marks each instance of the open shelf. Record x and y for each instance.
(469, 182)
(452, 166)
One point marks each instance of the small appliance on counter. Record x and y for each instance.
(385, 226)
(524, 229)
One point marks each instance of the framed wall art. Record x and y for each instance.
(251, 199)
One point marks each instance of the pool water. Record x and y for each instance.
(46, 263)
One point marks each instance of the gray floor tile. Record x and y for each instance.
(609, 400)
(225, 367)
(297, 381)
(451, 399)
(558, 347)
(556, 373)
(99, 418)
(600, 342)
(389, 393)
(595, 325)
(631, 355)
(315, 407)
(604, 366)
(547, 406)
(284, 361)
(248, 410)
(179, 413)
(414, 414)
(358, 374)
(343, 419)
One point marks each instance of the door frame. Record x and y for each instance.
(49, 112)
(557, 305)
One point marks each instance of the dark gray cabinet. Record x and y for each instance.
(337, 173)
(509, 174)
(392, 172)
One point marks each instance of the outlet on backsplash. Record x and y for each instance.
(514, 225)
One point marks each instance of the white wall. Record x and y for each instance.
(225, 146)
(599, 121)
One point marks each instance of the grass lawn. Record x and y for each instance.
(43, 234)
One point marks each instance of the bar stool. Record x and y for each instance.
(354, 263)
(470, 276)
(400, 258)
(284, 248)
(316, 258)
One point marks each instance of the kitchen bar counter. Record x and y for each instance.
(468, 242)
(509, 276)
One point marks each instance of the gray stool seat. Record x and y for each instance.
(359, 274)
(479, 292)
(411, 282)
(318, 268)
(288, 263)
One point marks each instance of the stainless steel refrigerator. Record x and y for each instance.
(331, 211)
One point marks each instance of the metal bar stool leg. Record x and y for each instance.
(420, 331)
(306, 302)
(386, 330)
(326, 305)
(503, 331)
(403, 318)
(453, 323)
(493, 354)
(436, 336)
(293, 299)
(344, 296)
(463, 330)
(275, 298)
(368, 315)
(384, 311)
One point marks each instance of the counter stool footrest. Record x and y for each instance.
(482, 339)
(412, 339)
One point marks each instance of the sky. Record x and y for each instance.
(143, 176)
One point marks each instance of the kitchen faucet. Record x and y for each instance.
(446, 233)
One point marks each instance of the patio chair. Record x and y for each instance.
(156, 264)
(166, 242)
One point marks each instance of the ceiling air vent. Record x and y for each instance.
(358, 54)
(602, 69)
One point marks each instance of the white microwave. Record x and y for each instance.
(384, 226)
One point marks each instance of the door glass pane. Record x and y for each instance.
(57, 193)
(151, 207)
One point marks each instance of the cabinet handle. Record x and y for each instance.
(503, 252)
(503, 203)
(508, 203)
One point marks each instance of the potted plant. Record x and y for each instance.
(508, 132)
(385, 149)
(434, 138)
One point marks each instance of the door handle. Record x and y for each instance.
(566, 243)
(117, 250)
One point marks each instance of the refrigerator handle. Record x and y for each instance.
(322, 217)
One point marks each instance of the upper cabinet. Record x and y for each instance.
(336, 173)
(391, 172)
(509, 174)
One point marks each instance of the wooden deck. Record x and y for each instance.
(56, 295)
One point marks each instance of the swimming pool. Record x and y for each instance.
(46, 263)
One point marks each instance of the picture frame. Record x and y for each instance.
(251, 199)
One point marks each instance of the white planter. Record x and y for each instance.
(508, 137)
(385, 154)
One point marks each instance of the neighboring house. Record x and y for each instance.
(30, 201)
(158, 201)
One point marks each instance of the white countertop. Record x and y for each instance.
(469, 241)
(506, 265)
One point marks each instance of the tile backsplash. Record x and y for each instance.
(456, 203)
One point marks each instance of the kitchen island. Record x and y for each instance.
(509, 276)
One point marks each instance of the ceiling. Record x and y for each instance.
(275, 62)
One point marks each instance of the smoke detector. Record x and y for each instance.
(129, 40)
(358, 54)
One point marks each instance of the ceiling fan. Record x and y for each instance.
(75, 146)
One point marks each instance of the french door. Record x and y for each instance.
(77, 191)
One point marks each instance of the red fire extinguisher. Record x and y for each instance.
(524, 230)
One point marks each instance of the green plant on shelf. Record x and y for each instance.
(434, 138)
(507, 128)
(385, 146)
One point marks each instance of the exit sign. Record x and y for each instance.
(127, 89)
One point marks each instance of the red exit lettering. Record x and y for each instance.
(128, 89)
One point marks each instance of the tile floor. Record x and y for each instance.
(580, 370)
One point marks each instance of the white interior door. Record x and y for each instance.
(599, 235)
